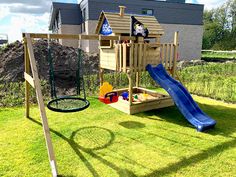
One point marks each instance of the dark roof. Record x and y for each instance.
(70, 13)
(165, 12)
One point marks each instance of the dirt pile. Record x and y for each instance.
(65, 61)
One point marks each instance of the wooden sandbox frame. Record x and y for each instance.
(156, 101)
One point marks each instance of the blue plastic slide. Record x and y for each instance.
(183, 100)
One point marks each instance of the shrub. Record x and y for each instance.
(215, 80)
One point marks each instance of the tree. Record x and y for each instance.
(220, 27)
(232, 13)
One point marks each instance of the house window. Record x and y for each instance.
(147, 11)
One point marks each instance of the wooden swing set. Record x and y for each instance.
(130, 58)
(34, 81)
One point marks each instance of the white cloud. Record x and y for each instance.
(27, 6)
(209, 4)
(4, 11)
(25, 23)
(17, 16)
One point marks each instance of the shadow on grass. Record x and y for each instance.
(224, 116)
(78, 148)
(132, 124)
(169, 114)
(174, 167)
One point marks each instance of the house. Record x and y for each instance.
(173, 15)
(3, 39)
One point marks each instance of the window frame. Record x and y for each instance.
(146, 10)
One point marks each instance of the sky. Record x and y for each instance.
(17, 16)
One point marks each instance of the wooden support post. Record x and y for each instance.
(139, 59)
(167, 56)
(129, 74)
(132, 57)
(124, 47)
(144, 57)
(162, 53)
(117, 57)
(120, 57)
(41, 106)
(171, 57)
(27, 85)
(135, 58)
(176, 45)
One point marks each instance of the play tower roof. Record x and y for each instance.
(120, 23)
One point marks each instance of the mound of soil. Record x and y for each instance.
(65, 61)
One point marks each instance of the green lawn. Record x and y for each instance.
(102, 141)
(218, 55)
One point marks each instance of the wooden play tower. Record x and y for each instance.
(132, 56)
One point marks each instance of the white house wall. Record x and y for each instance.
(69, 29)
(90, 45)
(190, 39)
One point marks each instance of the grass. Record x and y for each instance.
(102, 141)
(218, 55)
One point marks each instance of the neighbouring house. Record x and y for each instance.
(173, 15)
(3, 39)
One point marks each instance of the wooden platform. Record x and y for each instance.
(154, 100)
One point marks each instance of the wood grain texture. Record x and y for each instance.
(43, 116)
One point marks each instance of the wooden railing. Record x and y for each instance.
(134, 57)
(168, 55)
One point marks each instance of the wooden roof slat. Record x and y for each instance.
(116, 23)
(128, 26)
(127, 29)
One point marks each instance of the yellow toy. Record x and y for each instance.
(144, 96)
(106, 94)
(104, 89)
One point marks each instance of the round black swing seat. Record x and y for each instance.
(68, 104)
